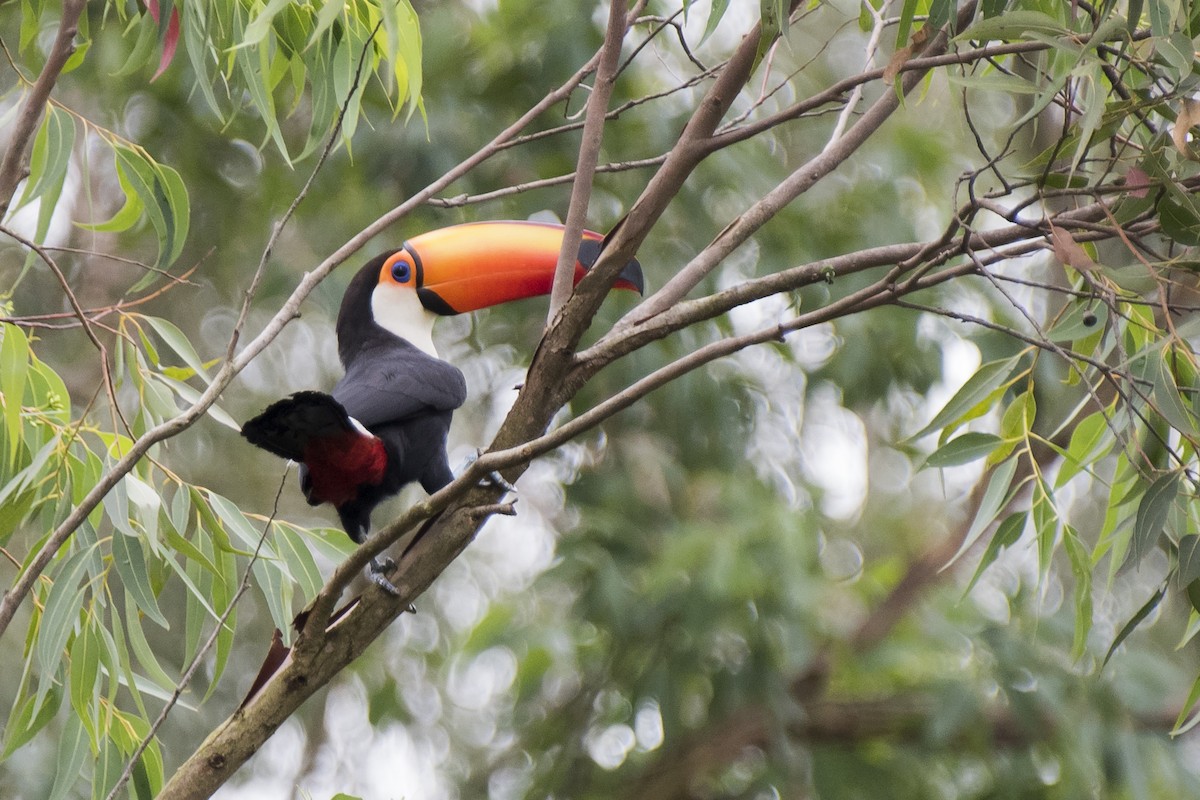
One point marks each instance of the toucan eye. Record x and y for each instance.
(401, 271)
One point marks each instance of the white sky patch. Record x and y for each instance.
(609, 746)
(648, 727)
(813, 347)
(24, 220)
(835, 453)
(475, 683)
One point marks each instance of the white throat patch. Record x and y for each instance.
(398, 310)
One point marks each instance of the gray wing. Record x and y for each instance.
(398, 383)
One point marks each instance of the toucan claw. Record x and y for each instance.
(377, 571)
(493, 478)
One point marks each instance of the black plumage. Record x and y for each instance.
(402, 397)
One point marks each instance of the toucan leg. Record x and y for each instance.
(493, 478)
(377, 571)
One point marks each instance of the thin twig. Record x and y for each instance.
(753, 218)
(277, 228)
(508, 191)
(106, 368)
(847, 112)
(589, 156)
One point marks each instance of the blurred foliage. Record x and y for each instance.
(682, 608)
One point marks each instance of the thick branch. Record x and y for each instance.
(546, 391)
(913, 255)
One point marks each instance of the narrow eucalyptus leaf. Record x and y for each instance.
(1137, 619)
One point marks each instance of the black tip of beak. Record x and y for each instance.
(631, 274)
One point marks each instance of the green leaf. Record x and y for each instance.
(1134, 15)
(72, 753)
(278, 594)
(1014, 25)
(299, 560)
(235, 522)
(1079, 321)
(990, 8)
(1008, 533)
(253, 66)
(1162, 17)
(49, 392)
(330, 11)
(130, 561)
(1136, 620)
(1168, 401)
(143, 48)
(1081, 568)
(995, 498)
(401, 47)
(163, 197)
(988, 378)
(962, 450)
(60, 614)
(1088, 443)
(142, 649)
(773, 21)
(904, 26)
(128, 215)
(1017, 420)
(30, 475)
(48, 165)
(191, 396)
(84, 670)
(1179, 221)
(1182, 727)
(178, 341)
(939, 14)
(14, 368)
(27, 719)
(260, 26)
(716, 11)
(1189, 559)
(1152, 513)
(1046, 519)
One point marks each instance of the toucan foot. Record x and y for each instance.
(493, 478)
(377, 571)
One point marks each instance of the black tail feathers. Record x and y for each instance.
(287, 425)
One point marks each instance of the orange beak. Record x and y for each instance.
(467, 267)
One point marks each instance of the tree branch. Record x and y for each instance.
(589, 156)
(12, 168)
(800, 181)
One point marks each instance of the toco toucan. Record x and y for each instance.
(384, 424)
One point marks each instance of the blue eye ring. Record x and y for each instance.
(401, 271)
